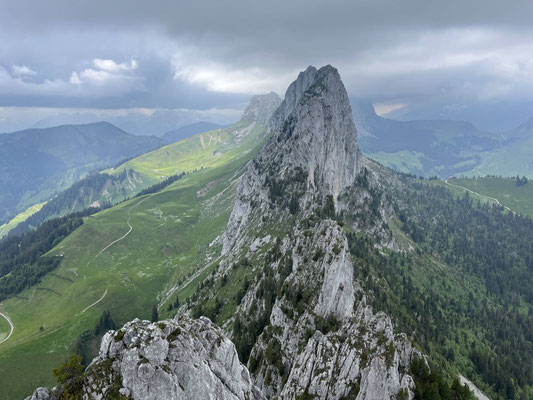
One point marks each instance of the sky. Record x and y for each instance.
(63, 55)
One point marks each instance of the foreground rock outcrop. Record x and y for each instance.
(186, 359)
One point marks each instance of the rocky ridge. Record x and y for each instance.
(311, 154)
(327, 342)
(303, 326)
(261, 108)
(186, 359)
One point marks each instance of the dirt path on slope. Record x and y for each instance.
(96, 302)
(107, 247)
(123, 236)
(10, 324)
(480, 195)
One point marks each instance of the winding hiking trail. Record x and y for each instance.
(115, 241)
(481, 195)
(10, 324)
(108, 246)
(96, 302)
(123, 236)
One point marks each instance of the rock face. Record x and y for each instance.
(302, 324)
(261, 107)
(186, 359)
(312, 152)
(328, 343)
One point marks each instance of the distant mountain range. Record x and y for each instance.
(138, 123)
(35, 164)
(490, 116)
(443, 147)
(186, 131)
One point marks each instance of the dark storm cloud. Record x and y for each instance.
(202, 54)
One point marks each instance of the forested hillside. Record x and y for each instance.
(464, 286)
(35, 164)
(443, 147)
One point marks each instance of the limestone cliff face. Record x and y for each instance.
(261, 108)
(186, 359)
(328, 342)
(302, 326)
(333, 345)
(312, 152)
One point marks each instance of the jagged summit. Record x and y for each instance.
(315, 123)
(285, 219)
(312, 152)
(292, 96)
(261, 108)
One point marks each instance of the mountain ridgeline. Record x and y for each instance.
(329, 277)
(186, 131)
(35, 164)
(443, 147)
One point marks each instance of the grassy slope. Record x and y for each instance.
(192, 153)
(404, 161)
(4, 328)
(504, 190)
(4, 229)
(169, 243)
(508, 161)
(518, 199)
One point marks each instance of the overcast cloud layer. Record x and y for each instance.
(215, 54)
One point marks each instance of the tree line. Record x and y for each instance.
(22, 263)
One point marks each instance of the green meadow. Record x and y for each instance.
(166, 254)
(502, 191)
(4, 229)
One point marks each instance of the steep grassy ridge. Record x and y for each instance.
(23, 216)
(168, 243)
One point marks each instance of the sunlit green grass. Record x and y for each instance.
(168, 251)
(23, 216)
(518, 199)
(405, 161)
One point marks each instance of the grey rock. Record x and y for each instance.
(313, 137)
(261, 108)
(293, 95)
(334, 346)
(185, 359)
(43, 394)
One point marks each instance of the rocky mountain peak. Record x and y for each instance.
(312, 153)
(304, 177)
(261, 108)
(292, 96)
(317, 130)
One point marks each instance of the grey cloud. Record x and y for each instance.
(206, 54)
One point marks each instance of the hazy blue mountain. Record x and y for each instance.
(138, 123)
(443, 147)
(186, 131)
(490, 116)
(440, 147)
(37, 163)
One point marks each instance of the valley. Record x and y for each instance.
(443, 147)
(288, 252)
(133, 253)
